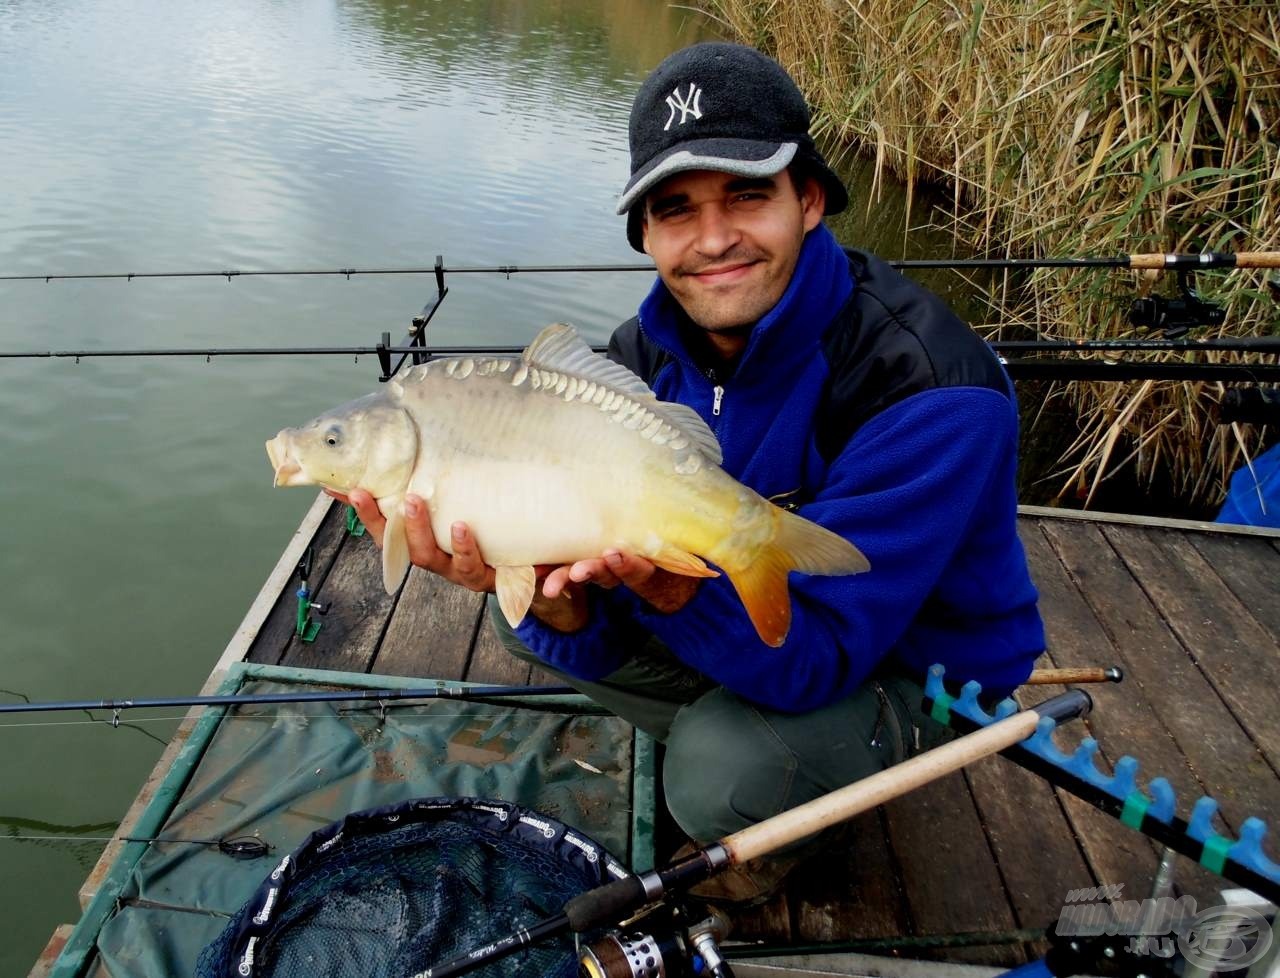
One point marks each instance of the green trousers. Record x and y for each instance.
(730, 763)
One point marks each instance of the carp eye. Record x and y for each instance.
(332, 437)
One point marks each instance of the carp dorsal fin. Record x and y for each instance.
(560, 348)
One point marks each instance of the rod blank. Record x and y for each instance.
(329, 696)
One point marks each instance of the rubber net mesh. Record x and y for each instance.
(396, 903)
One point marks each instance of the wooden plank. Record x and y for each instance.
(540, 677)
(1251, 569)
(1238, 656)
(1034, 843)
(1131, 519)
(852, 891)
(1037, 851)
(948, 868)
(1177, 695)
(1124, 720)
(430, 633)
(769, 922)
(1116, 854)
(1164, 713)
(359, 610)
(491, 662)
(278, 628)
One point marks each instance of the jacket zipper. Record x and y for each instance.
(718, 391)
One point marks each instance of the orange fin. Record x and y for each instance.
(679, 561)
(762, 586)
(798, 544)
(814, 549)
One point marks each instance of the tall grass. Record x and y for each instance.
(1065, 127)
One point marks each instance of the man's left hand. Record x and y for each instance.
(665, 591)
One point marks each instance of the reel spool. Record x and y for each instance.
(659, 952)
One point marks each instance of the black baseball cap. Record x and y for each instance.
(724, 107)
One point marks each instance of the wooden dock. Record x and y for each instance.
(982, 860)
(1190, 612)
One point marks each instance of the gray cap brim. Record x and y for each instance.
(741, 157)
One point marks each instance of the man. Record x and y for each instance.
(835, 386)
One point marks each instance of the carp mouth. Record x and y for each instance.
(288, 471)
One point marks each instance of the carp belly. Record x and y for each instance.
(522, 513)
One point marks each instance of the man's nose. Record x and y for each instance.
(716, 231)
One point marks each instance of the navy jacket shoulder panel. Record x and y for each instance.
(894, 339)
(635, 351)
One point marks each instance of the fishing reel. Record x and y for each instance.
(666, 948)
(1176, 316)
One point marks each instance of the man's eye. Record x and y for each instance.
(667, 213)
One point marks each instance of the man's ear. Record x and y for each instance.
(813, 202)
(644, 232)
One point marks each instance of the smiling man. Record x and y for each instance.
(836, 387)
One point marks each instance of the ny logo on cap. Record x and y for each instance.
(687, 105)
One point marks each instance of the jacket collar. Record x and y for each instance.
(819, 288)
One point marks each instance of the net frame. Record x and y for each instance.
(243, 949)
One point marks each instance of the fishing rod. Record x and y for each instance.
(1023, 368)
(1040, 368)
(323, 696)
(621, 898)
(1168, 262)
(1218, 344)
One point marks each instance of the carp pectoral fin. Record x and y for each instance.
(515, 591)
(395, 547)
(678, 561)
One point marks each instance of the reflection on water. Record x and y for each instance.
(195, 134)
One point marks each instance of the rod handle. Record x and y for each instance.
(1085, 674)
(1258, 259)
(1238, 259)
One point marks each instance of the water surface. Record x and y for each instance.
(139, 521)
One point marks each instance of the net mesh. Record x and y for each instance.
(392, 903)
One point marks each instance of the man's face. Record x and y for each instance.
(726, 246)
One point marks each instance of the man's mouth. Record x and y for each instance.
(723, 274)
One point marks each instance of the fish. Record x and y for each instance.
(553, 457)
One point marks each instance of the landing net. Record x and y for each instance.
(389, 892)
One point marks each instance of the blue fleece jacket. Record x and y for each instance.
(925, 489)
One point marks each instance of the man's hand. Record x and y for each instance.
(464, 566)
(663, 590)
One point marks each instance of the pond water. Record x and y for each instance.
(139, 519)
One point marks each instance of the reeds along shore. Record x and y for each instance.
(1069, 127)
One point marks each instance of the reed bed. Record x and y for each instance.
(1069, 127)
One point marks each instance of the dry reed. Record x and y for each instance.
(1066, 127)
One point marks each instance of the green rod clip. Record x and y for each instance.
(307, 627)
(354, 526)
